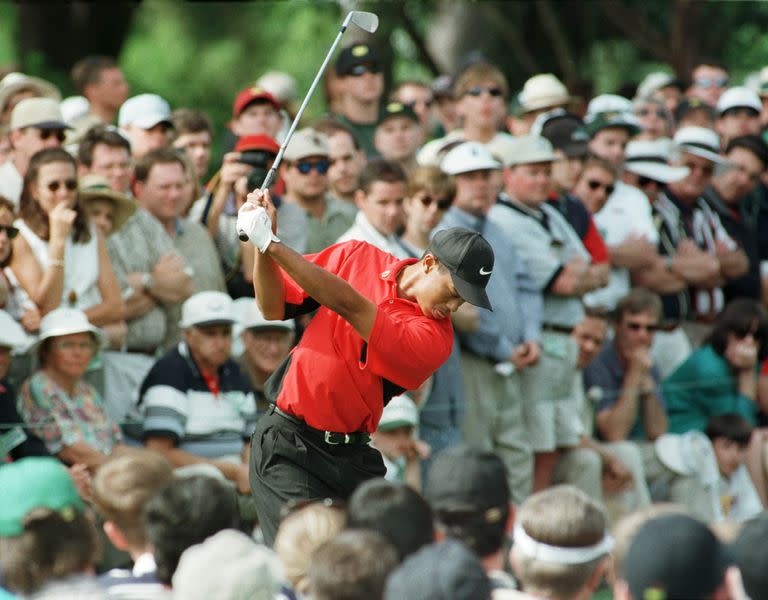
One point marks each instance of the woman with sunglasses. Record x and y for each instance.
(59, 257)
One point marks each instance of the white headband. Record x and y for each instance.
(559, 554)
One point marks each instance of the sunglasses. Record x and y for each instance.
(70, 184)
(596, 185)
(442, 203)
(638, 326)
(360, 70)
(644, 112)
(742, 331)
(643, 181)
(706, 82)
(57, 133)
(708, 170)
(10, 231)
(321, 166)
(478, 90)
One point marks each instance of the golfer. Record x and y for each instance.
(382, 326)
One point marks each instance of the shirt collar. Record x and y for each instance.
(144, 565)
(382, 241)
(390, 274)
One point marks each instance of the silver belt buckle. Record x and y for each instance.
(328, 440)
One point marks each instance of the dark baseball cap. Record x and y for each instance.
(675, 557)
(469, 258)
(751, 554)
(356, 55)
(444, 571)
(468, 480)
(396, 109)
(690, 104)
(566, 133)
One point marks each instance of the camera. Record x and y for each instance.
(260, 160)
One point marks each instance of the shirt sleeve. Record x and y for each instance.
(595, 244)
(164, 402)
(42, 412)
(406, 351)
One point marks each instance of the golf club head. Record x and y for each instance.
(367, 21)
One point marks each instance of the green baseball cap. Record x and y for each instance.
(35, 482)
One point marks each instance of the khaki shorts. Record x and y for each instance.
(553, 397)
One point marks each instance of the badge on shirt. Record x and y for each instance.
(10, 440)
(554, 346)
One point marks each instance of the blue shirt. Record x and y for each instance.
(516, 301)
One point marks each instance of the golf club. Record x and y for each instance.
(364, 20)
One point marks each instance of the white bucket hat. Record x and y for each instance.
(468, 157)
(700, 141)
(11, 333)
(529, 149)
(65, 321)
(650, 159)
(207, 308)
(543, 91)
(739, 97)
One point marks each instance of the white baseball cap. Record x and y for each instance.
(529, 149)
(650, 159)
(654, 82)
(207, 308)
(401, 411)
(608, 103)
(700, 141)
(249, 316)
(144, 111)
(468, 157)
(11, 333)
(738, 97)
(542, 91)
(65, 321)
(74, 107)
(306, 142)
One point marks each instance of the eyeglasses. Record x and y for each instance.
(10, 231)
(360, 70)
(706, 82)
(708, 170)
(596, 185)
(643, 181)
(478, 90)
(68, 345)
(442, 203)
(644, 112)
(651, 328)
(46, 133)
(321, 166)
(70, 184)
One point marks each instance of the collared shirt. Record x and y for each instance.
(338, 216)
(578, 217)
(11, 182)
(333, 379)
(195, 246)
(604, 379)
(61, 419)
(365, 232)
(136, 248)
(177, 403)
(545, 242)
(517, 302)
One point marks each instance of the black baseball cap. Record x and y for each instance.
(356, 55)
(468, 480)
(396, 109)
(566, 133)
(469, 258)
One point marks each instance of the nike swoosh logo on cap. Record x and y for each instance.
(484, 272)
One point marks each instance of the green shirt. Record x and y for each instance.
(702, 387)
(364, 134)
(338, 216)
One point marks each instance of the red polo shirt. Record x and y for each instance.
(336, 382)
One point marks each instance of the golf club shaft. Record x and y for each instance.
(272, 173)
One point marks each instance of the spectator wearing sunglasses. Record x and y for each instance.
(653, 116)
(36, 124)
(379, 198)
(738, 113)
(59, 258)
(709, 79)
(361, 85)
(731, 195)
(304, 170)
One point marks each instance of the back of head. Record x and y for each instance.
(300, 534)
(675, 557)
(751, 554)
(469, 493)
(229, 565)
(88, 71)
(730, 426)
(124, 484)
(396, 511)
(444, 571)
(560, 542)
(184, 513)
(354, 565)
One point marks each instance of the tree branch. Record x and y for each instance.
(560, 46)
(418, 40)
(510, 32)
(636, 26)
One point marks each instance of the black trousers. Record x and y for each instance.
(288, 462)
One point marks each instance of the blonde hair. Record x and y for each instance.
(431, 180)
(300, 534)
(559, 516)
(477, 74)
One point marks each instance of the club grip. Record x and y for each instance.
(242, 235)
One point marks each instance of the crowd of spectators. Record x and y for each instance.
(619, 385)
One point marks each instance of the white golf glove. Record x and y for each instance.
(257, 225)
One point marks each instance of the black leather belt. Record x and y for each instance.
(332, 438)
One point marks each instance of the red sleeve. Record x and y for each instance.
(594, 244)
(764, 367)
(331, 259)
(406, 349)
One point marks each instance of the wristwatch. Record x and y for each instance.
(146, 281)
